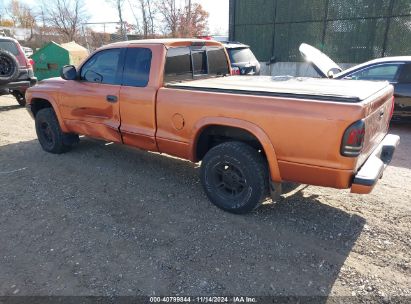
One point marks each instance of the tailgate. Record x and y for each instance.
(378, 109)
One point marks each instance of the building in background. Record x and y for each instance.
(349, 31)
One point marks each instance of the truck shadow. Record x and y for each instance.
(124, 222)
(9, 108)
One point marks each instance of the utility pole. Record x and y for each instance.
(189, 19)
(120, 15)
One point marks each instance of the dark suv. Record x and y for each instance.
(16, 70)
(243, 61)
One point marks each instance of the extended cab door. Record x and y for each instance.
(142, 77)
(90, 105)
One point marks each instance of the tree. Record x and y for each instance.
(65, 16)
(171, 16)
(147, 12)
(21, 14)
(189, 21)
(194, 21)
(7, 23)
(118, 4)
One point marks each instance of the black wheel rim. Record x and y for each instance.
(19, 96)
(6, 66)
(229, 180)
(47, 134)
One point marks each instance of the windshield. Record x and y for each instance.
(9, 46)
(241, 55)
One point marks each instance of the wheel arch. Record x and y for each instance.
(263, 139)
(40, 101)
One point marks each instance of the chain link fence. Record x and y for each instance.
(351, 31)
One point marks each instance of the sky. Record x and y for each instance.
(101, 11)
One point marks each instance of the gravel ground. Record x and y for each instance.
(109, 220)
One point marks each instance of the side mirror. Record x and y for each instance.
(68, 72)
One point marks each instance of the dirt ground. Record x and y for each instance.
(109, 220)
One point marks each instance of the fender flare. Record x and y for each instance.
(55, 107)
(241, 124)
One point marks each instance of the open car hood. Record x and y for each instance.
(321, 62)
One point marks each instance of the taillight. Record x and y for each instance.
(235, 71)
(29, 62)
(353, 139)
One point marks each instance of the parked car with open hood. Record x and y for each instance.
(396, 70)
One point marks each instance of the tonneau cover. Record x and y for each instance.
(293, 87)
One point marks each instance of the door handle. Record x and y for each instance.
(112, 98)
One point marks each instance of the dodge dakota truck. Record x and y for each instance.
(250, 133)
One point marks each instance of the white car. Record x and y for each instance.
(28, 51)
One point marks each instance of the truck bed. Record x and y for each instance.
(351, 91)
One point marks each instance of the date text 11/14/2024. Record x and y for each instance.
(238, 299)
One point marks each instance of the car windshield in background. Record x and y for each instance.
(241, 55)
(9, 46)
(383, 72)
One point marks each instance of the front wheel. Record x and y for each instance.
(49, 133)
(235, 177)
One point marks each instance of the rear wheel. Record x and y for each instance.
(49, 133)
(9, 67)
(235, 177)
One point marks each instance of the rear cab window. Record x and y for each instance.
(189, 63)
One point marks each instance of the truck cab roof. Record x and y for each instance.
(167, 42)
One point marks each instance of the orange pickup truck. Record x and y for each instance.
(250, 133)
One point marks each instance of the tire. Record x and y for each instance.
(21, 99)
(235, 177)
(9, 67)
(49, 133)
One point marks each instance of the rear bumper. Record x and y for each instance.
(21, 85)
(373, 169)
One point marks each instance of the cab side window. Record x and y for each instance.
(103, 67)
(382, 72)
(137, 67)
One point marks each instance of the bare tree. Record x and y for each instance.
(147, 12)
(65, 16)
(21, 14)
(118, 4)
(171, 16)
